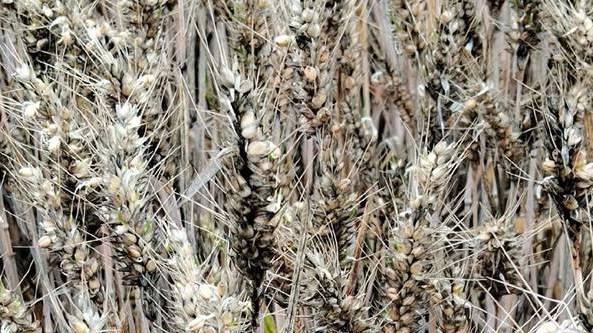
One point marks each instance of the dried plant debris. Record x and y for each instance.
(296, 166)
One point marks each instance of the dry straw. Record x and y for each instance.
(296, 166)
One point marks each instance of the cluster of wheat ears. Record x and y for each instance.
(296, 166)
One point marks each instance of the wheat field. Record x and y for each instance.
(278, 166)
